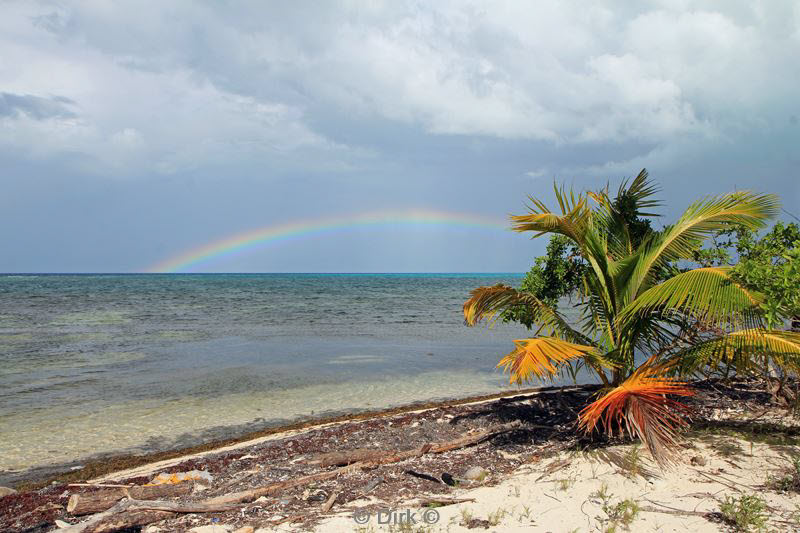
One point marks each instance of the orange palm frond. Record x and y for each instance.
(641, 407)
(539, 357)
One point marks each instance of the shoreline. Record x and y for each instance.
(100, 467)
(738, 445)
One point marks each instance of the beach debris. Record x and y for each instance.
(316, 496)
(101, 485)
(388, 458)
(374, 482)
(329, 503)
(131, 513)
(422, 476)
(449, 479)
(476, 473)
(5, 491)
(508, 456)
(60, 524)
(441, 502)
(347, 457)
(100, 500)
(555, 466)
(165, 478)
(473, 523)
(698, 460)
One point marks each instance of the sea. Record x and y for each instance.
(99, 364)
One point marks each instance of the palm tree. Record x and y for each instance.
(637, 304)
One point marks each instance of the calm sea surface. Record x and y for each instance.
(94, 364)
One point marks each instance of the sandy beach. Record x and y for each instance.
(517, 465)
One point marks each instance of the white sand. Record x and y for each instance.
(567, 499)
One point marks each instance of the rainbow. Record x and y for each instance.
(256, 238)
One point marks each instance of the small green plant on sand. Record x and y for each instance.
(621, 514)
(632, 464)
(601, 494)
(747, 513)
(496, 517)
(564, 484)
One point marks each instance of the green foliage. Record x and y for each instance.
(636, 296)
(560, 272)
(555, 275)
(771, 265)
(622, 513)
(747, 513)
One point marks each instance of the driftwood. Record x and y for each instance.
(253, 494)
(129, 513)
(347, 457)
(95, 502)
(371, 455)
(126, 520)
(329, 503)
(475, 438)
(387, 458)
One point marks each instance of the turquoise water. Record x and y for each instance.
(93, 364)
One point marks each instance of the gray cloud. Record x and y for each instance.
(277, 111)
(36, 107)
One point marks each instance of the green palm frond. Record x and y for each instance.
(699, 221)
(641, 191)
(571, 222)
(706, 293)
(614, 215)
(742, 349)
(488, 302)
(598, 313)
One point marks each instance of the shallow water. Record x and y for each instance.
(94, 364)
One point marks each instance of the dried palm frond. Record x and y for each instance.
(540, 357)
(641, 407)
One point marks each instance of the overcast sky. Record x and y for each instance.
(133, 131)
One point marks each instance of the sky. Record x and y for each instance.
(135, 132)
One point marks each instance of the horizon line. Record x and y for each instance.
(111, 273)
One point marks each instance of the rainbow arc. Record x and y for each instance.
(243, 242)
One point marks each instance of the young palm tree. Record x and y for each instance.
(635, 304)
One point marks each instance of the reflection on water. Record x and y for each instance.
(101, 363)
